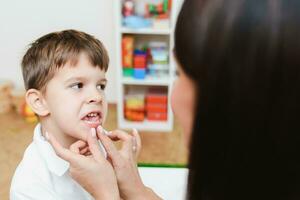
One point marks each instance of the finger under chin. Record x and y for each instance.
(77, 146)
(94, 146)
(84, 150)
(112, 152)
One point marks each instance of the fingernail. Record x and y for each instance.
(103, 131)
(135, 130)
(134, 148)
(47, 135)
(100, 129)
(93, 132)
(134, 144)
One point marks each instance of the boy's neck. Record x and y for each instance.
(64, 139)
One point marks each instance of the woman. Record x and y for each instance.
(238, 64)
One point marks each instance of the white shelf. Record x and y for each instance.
(145, 35)
(146, 31)
(164, 81)
(147, 125)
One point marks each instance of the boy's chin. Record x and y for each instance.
(87, 130)
(92, 124)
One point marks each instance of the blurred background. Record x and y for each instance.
(138, 35)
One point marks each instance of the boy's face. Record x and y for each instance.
(76, 100)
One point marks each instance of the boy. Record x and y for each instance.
(64, 76)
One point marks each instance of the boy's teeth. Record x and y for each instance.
(92, 114)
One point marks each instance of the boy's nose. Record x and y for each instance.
(94, 97)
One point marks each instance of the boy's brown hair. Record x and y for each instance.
(54, 50)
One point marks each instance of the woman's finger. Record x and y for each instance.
(94, 146)
(84, 150)
(62, 152)
(117, 135)
(78, 146)
(88, 154)
(138, 141)
(135, 138)
(127, 139)
(112, 152)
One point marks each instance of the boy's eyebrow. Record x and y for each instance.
(79, 78)
(103, 80)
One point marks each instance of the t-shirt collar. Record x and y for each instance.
(54, 163)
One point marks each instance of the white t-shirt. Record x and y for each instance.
(42, 175)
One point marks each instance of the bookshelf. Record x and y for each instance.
(127, 84)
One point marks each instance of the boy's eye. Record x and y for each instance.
(101, 86)
(77, 86)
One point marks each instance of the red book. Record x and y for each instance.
(157, 116)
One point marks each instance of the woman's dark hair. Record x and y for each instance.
(244, 58)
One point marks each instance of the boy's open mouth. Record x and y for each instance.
(93, 119)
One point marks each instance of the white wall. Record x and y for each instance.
(21, 22)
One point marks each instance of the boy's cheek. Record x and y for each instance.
(77, 132)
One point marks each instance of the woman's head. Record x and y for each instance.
(243, 57)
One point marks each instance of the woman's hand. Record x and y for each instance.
(93, 172)
(124, 162)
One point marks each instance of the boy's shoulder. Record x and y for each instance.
(31, 175)
(31, 168)
(33, 180)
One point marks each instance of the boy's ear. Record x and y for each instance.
(37, 103)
